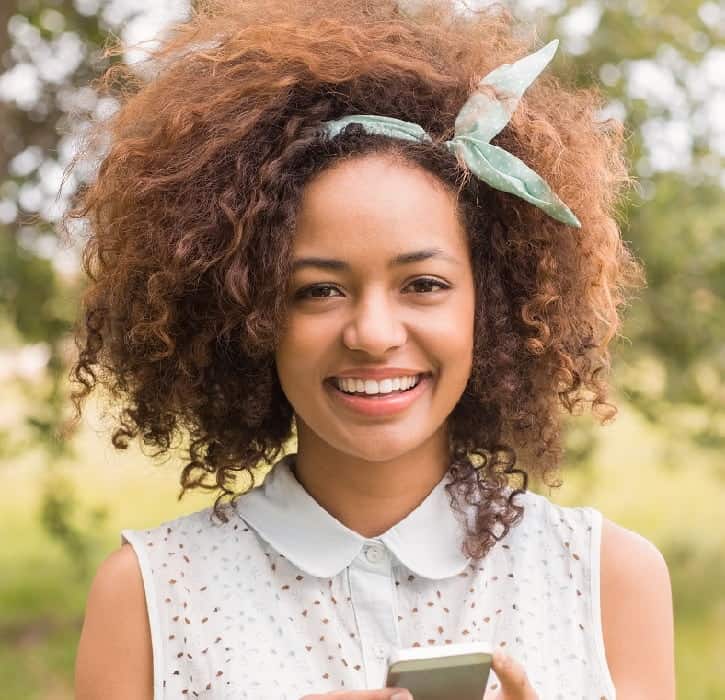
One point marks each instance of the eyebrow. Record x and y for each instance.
(402, 259)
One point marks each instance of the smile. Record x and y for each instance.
(378, 398)
(371, 387)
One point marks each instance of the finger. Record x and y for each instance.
(382, 694)
(514, 682)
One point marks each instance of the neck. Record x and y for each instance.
(367, 496)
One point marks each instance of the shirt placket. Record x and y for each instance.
(373, 599)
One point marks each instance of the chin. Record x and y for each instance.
(379, 449)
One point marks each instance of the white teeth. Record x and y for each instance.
(371, 386)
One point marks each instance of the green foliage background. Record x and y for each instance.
(658, 469)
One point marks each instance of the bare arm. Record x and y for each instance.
(114, 660)
(637, 615)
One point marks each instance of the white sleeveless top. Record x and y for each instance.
(284, 600)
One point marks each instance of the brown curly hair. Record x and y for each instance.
(192, 212)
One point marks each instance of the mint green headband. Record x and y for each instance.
(479, 120)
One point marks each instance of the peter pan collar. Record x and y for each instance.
(427, 541)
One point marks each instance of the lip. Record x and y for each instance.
(388, 405)
(378, 373)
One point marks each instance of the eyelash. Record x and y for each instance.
(304, 293)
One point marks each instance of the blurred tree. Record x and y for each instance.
(662, 67)
(660, 64)
(38, 299)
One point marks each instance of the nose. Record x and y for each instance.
(375, 326)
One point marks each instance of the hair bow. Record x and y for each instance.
(479, 120)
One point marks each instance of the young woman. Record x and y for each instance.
(344, 222)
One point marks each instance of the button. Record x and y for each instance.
(374, 554)
(380, 651)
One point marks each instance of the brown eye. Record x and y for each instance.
(316, 291)
(425, 285)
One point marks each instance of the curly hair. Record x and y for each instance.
(192, 211)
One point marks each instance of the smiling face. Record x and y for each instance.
(382, 291)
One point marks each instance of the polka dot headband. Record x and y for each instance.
(479, 120)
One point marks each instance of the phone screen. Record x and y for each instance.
(462, 676)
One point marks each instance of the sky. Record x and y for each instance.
(668, 140)
(694, 104)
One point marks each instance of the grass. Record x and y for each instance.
(42, 596)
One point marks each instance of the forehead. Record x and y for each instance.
(376, 205)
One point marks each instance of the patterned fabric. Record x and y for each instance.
(480, 119)
(284, 600)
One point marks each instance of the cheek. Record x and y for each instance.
(455, 334)
(308, 336)
(456, 322)
(299, 351)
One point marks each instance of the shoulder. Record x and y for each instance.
(547, 518)
(192, 528)
(115, 628)
(637, 615)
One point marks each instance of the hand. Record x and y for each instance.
(382, 694)
(513, 683)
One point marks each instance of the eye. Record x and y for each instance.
(316, 291)
(424, 285)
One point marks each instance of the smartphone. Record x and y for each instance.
(457, 671)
